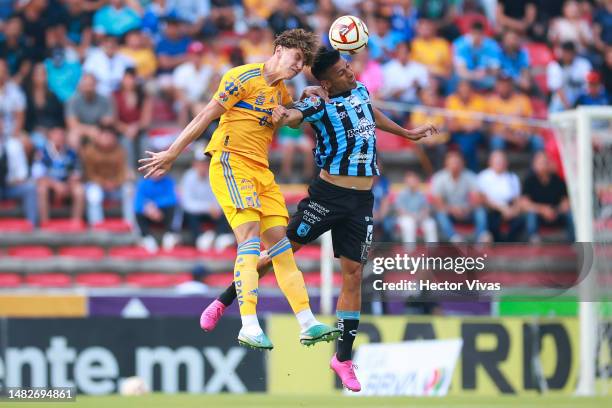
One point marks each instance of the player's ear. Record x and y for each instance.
(325, 84)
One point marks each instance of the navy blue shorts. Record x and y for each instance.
(344, 211)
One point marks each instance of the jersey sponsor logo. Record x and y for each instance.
(361, 158)
(318, 208)
(355, 102)
(311, 217)
(365, 129)
(315, 101)
(303, 229)
(263, 121)
(223, 96)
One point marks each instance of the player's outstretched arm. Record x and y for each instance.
(282, 116)
(158, 164)
(386, 124)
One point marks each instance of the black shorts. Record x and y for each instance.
(344, 211)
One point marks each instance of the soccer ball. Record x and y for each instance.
(348, 34)
(133, 386)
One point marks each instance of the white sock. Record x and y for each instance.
(306, 319)
(250, 325)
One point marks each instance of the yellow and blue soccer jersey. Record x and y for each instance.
(246, 128)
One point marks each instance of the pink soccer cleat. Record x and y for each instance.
(346, 372)
(211, 315)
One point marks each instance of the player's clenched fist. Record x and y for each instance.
(278, 114)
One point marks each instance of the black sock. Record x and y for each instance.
(229, 295)
(349, 327)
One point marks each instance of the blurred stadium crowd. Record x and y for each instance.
(87, 85)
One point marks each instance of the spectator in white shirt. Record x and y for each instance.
(14, 182)
(107, 65)
(566, 78)
(192, 81)
(200, 206)
(12, 105)
(501, 190)
(403, 77)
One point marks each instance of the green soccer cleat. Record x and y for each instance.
(259, 342)
(319, 332)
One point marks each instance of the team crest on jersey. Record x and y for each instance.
(249, 201)
(301, 105)
(261, 99)
(303, 229)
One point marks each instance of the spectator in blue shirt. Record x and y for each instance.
(477, 57)
(155, 203)
(116, 19)
(171, 50)
(383, 39)
(57, 172)
(515, 60)
(63, 74)
(595, 94)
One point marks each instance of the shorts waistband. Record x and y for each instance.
(318, 179)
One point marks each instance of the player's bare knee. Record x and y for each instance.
(246, 231)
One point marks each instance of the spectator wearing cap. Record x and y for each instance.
(403, 78)
(106, 174)
(138, 50)
(171, 49)
(465, 129)
(509, 103)
(116, 18)
(455, 199)
(107, 65)
(477, 57)
(566, 77)
(200, 206)
(86, 110)
(431, 50)
(134, 113)
(595, 94)
(501, 190)
(57, 172)
(544, 199)
(193, 82)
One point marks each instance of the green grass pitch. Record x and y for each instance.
(263, 400)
